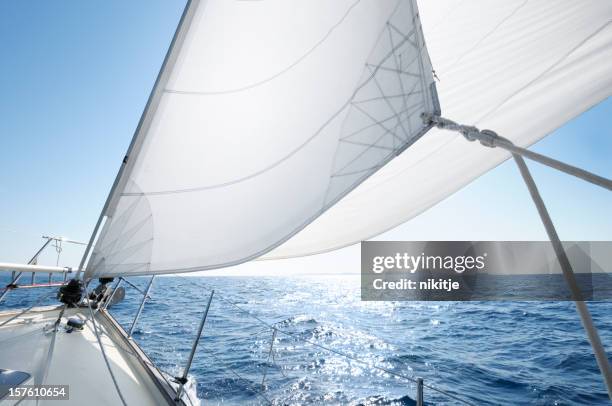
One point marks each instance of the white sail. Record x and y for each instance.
(266, 113)
(253, 80)
(522, 68)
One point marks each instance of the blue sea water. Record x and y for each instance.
(488, 353)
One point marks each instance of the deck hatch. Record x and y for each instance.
(11, 379)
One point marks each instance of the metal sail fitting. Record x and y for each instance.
(488, 138)
(491, 139)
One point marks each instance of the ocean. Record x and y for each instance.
(487, 353)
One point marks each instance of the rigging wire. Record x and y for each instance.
(275, 329)
(38, 301)
(164, 374)
(233, 371)
(135, 287)
(263, 379)
(108, 366)
(570, 278)
(41, 376)
(58, 250)
(342, 354)
(491, 139)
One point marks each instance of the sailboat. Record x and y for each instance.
(279, 129)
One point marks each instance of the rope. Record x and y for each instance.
(490, 139)
(39, 301)
(108, 366)
(58, 250)
(41, 376)
(275, 363)
(560, 166)
(263, 379)
(32, 260)
(568, 273)
(271, 326)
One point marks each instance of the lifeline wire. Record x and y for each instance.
(263, 380)
(228, 368)
(42, 376)
(388, 371)
(350, 357)
(568, 273)
(110, 371)
(135, 287)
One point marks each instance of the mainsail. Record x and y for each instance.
(265, 114)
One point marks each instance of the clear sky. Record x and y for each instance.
(76, 76)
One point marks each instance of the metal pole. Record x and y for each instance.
(113, 294)
(491, 139)
(263, 379)
(142, 303)
(30, 262)
(568, 273)
(419, 394)
(183, 379)
(134, 286)
(553, 163)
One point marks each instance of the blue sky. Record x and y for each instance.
(75, 78)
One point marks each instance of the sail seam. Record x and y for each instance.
(281, 160)
(276, 75)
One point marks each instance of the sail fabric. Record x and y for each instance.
(522, 68)
(266, 114)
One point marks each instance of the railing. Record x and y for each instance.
(418, 381)
(17, 274)
(18, 270)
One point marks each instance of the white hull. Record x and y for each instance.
(75, 359)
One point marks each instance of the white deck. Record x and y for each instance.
(75, 359)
